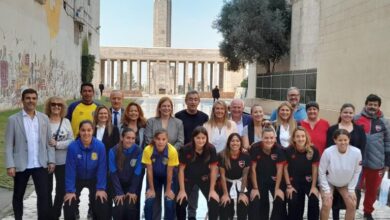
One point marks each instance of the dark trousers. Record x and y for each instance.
(55, 210)
(40, 177)
(126, 211)
(259, 208)
(99, 209)
(204, 186)
(193, 202)
(227, 212)
(150, 208)
(296, 205)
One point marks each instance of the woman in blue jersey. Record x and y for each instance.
(85, 168)
(125, 173)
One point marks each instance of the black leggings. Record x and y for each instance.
(99, 209)
(296, 205)
(204, 186)
(227, 212)
(259, 208)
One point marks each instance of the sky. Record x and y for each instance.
(130, 23)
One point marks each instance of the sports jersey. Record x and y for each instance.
(85, 164)
(130, 174)
(300, 164)
(160, 161)
(197, 165)
(266, 164)
(78, 112)
(237, 165)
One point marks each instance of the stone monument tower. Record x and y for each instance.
(162, 74)
(162, 23)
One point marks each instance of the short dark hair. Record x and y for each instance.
(312, 104)
(29, 91)
(86, 84)
(373, 98)
(339, 132)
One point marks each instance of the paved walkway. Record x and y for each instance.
(149, 107)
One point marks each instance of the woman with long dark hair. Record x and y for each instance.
(198, 166)
(234, 168)
(86, 167)
(339, 170)
(125, 173)
(357, 139)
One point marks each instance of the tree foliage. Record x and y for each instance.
(87, 63)
(254, 30)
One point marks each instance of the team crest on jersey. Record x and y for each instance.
(153, 159)
(378, 128)
(274, 156)
(309, 155)
(293, 156)
(133, 162)
(308, 179)
(241, 163)
(94, 156)
(79, 156)
(273, 178)
(165, 161)
(188, 156)
(258, 157)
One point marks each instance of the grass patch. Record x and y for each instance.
(5, 180)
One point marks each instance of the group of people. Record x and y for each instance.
(234, 159)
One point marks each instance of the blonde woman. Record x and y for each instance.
(219, 127)
(284, 124)
(300, 173)
(61, 137)
(164, 119)
(252, 132)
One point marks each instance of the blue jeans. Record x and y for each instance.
(169, 204)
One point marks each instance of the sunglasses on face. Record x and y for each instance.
(53, 104)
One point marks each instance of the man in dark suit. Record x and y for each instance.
(116, 99)
(28, 153)
(238, 116)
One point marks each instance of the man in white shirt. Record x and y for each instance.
(116, 99)
(28, 153)
(237, 115)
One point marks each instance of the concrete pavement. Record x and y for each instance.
(149, 107)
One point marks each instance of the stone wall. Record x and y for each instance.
(353, 55)
(40, 47)
(304, 34)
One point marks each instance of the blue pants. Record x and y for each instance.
(169, 204)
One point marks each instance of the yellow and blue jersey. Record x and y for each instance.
(78, 112)
(160, 161)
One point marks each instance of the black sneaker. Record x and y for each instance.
(367, 217)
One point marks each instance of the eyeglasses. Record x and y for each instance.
(53, 104)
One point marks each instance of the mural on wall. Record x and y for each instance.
(53, 13)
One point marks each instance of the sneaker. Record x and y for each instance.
(368, 216)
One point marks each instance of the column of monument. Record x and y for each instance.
(186, 77)
(204, 77)
(119, 76)
(195, 76)
(108, 84)
(148, 77)
(139, 75)
(176, 77)
(128, 75)
(102, 72)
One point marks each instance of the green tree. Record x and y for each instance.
(254, 31)
(87, 63)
